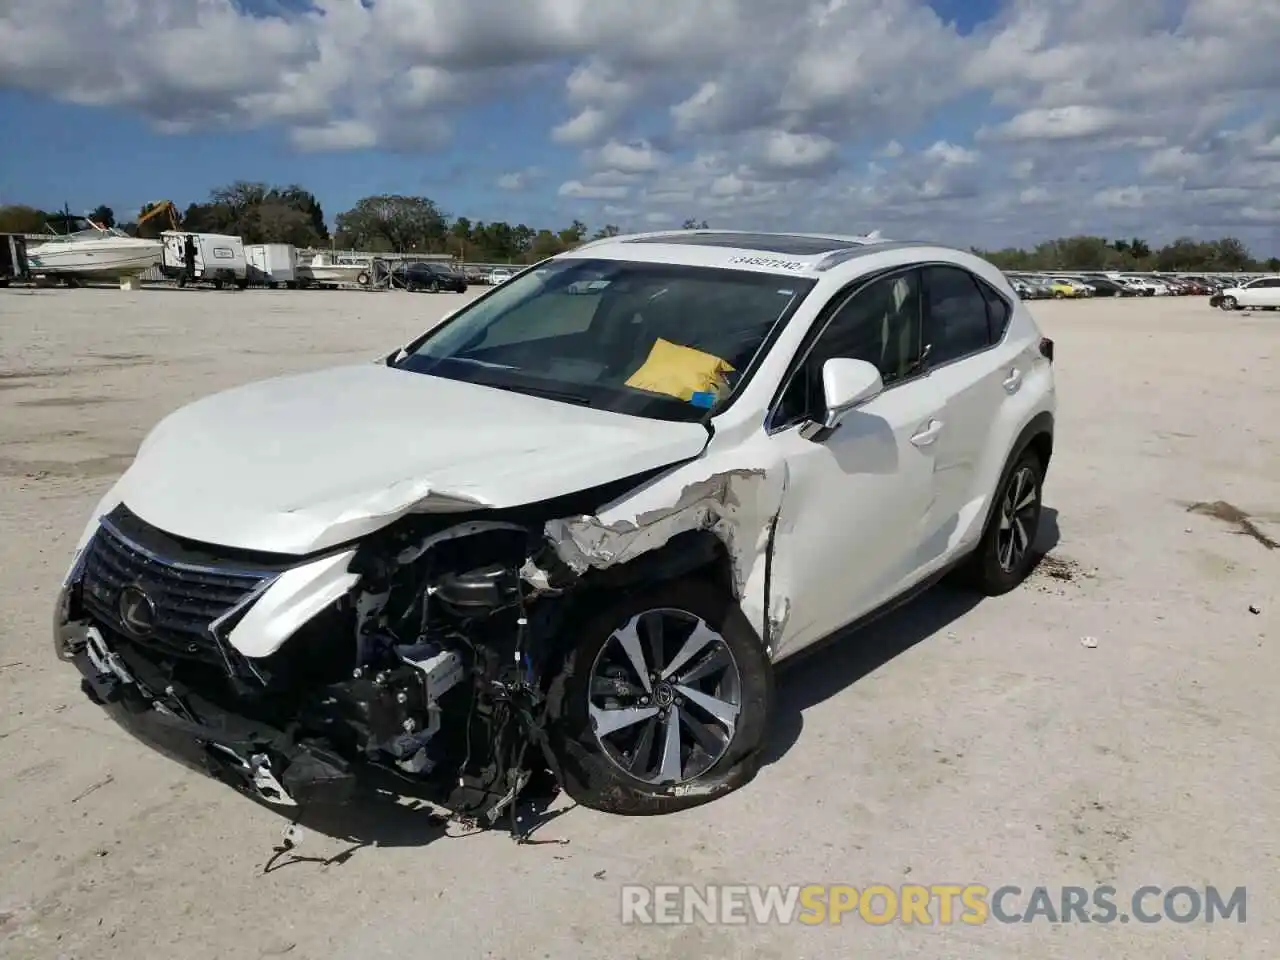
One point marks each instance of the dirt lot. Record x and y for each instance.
(957, 742)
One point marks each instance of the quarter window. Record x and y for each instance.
(956, 321)
(997, 312)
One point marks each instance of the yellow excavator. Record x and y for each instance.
(164, 207)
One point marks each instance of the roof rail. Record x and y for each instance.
(869, 246)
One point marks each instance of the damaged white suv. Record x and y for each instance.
(568, 532)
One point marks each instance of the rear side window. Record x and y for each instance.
(956, 322)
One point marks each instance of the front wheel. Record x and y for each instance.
(666, 702)
(1229, 303)
(1005, 555)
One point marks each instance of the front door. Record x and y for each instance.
(859, 501)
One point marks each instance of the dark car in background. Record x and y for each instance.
(429, 276)
(1106, 287)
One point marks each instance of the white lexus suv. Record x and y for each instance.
(564, 537)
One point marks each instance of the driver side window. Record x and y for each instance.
(879, 323)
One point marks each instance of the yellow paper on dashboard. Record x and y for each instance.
(680, 371)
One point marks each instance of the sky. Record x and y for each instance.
(972, 122)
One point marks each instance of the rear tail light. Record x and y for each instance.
(1046, 348)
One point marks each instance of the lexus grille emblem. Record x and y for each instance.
(137, 612)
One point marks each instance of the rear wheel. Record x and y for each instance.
(666, 702)
(1005, 555)
(362, 279)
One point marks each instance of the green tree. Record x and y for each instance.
(22, 219)
(392, 222)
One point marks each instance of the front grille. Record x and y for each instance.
(184, 598)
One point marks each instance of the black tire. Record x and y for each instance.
(984, 571)
(1229, 303)
(590, 777)
(362, 279)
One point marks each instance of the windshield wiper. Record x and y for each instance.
(548, 394)
(484, 363)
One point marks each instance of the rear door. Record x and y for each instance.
(972, 365)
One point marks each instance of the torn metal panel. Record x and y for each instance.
(739, 505)
(411, 554)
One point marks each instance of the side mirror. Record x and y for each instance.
(847, 383)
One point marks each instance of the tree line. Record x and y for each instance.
(389, 223)
(395, 223)
(1183, 255)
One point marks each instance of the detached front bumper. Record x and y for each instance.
(253, 757)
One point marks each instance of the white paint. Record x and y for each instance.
(293, 598)
(298, 464)
(841, 522)
(1263, 292)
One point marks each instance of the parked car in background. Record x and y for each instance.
(1106, 287)
(1263, 293)
(1041, 287)
(1024, 290)
(1136, 284)
(1084, 287)
(500, 275)
(1065, 289)
(429, 276)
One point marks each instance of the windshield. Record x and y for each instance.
(663, 341)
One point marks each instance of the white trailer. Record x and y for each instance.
(216, 258)
(272, 264)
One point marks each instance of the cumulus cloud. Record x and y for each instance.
(1159, 113)
(518, 180)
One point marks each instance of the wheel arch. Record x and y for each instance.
(1036, 436)
(694, 554)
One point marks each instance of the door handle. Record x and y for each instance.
(1014, 380)
(928, 434)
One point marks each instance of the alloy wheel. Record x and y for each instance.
(1017, 511)
(664, 697)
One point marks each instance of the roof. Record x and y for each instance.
(783, 253)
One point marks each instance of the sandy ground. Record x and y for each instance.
(957, 742)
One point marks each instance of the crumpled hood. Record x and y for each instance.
(301, 463)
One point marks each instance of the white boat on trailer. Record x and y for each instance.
(325, 269)
(95, 253)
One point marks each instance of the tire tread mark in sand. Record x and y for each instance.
(75, 403)
(93, 467)
(10, 379)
